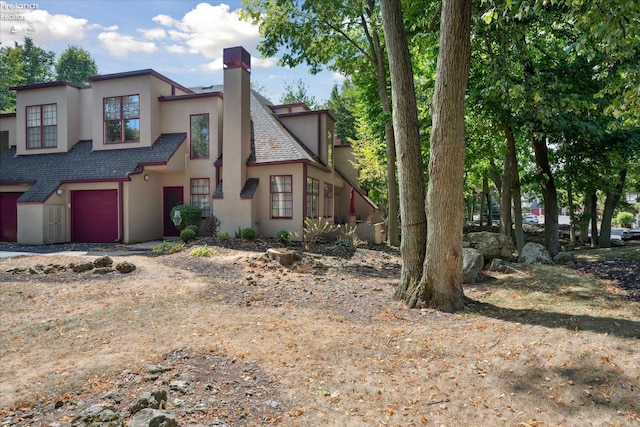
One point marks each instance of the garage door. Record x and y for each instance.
(9, 217)
(94, 216)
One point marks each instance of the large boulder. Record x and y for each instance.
(153, 417)
(535, 253)
(472, 262)
(490, 245)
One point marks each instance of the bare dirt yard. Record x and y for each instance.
(237, 339)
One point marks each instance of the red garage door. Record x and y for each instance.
(94, 216)
(9, 217)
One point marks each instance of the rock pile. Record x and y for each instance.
(102, 265)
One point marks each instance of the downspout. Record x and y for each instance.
(121, 214)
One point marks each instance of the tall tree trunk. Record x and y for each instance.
(441, 284)
(483, 197)
(505, 197)
(584, 223)
(515, 184)
(594, 219)
(572, 212)
(393, 234)
(407, 139)
(549, 194)
(612, 200)
(487, 195)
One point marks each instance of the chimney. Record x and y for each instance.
(236, 124)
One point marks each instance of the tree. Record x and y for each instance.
(75, 65)
(22, 64)
(298, 92)
(407, 141)
(441, 283)
(342, 104)
(343, 36)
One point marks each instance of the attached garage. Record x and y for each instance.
(9, 216)
(94, 216)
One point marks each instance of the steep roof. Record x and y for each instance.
(273, 142)
(80, 164)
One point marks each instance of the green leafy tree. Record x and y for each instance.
(75, 65)
(341, 103)
(22, 64)
(298, 92)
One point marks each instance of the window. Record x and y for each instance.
(42, 126)
(330, 149)
(122, 119)
(200, 195)
(281, 196)
(200, 136)
(327, 212)
(313, 197)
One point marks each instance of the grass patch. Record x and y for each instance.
(169, 247)
(203, 252)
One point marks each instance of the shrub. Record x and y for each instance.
(209, 226)
(168, 247)
(224, 235)
(203, 252)
(283, 237)
(625, 218)
(248, 233)
(193, 227)
(348, 237)
(191, 215)
(312, 232)
(187, 235)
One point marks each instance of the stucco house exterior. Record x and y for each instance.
(108, 161)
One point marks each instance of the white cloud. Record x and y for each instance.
(176, 48)
(208, 29)
(339, 77)
(154, 34)
(120, 45)
(263, 63)
(42, 27)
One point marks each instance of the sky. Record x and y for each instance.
(181, 39)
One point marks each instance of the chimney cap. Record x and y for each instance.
(236, 57)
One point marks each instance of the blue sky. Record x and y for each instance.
(180, 39)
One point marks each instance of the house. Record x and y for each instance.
(107, 162)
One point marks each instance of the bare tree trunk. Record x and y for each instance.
(549, 194)
(485, 200)
(584, 223)
(594, 219)
(505, 197)
(407, 139)
(612, 200)
(515, 185)
(572, 214)
(441, 284)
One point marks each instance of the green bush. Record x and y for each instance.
(238, 233)
(314, 232)
(191, 215)
(248, 233)
(625, 218)
(224, 235)
(203, 252)
(168, 247)
(194, 228)
(187, 235)
(283, 237)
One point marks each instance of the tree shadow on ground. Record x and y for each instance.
(573, 322)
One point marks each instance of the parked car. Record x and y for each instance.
(530, 219)
(633, 234)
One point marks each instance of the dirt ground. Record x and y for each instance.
(318, 343)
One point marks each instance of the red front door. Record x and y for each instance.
(172, 196)
(9, 216)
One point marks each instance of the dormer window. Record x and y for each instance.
(122, 119)
(42, 126)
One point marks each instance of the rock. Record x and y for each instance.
(125, 267)
(151, 400)
(472, 263)
(153, 417)
(283, 256)
(617, 243)
(535, 253)
(104, 261)
(158, 369)
(82, 267)
(98, 415)
(181, 386)
(564, 258)
(490, 245)
(103, 270)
